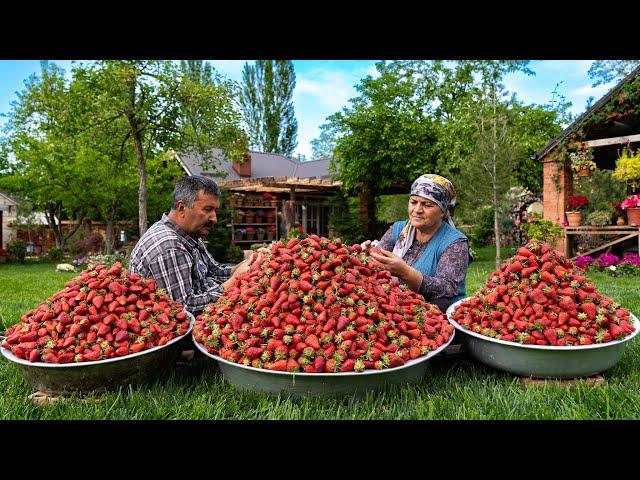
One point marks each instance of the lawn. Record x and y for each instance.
(457, 389)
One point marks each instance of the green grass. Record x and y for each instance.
(452, 389)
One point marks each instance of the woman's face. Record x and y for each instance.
(423, 213)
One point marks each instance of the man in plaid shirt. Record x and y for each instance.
(173, 253)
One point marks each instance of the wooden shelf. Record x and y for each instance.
(627, 232)
(255, 223)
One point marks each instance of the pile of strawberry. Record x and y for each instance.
(102, 313)
(539, 297)
(315, 305)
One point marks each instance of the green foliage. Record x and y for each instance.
(16, 250)
(601, 189)
(605, 71)
(267, 104)
(234, 254)
(219, 239)
(599, 218)
(344, 218)
(54, 254)
(544, 230)
(482, 232)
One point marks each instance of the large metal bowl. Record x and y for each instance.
(320, 384)
(99, 375)
(540, 361)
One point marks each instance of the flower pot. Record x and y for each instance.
(574, 219)
(633, 216)
(620, 221)
(258, 219)
(250, 235)
(248, 219)
(270, 236)
(238, 236)
(260, 236)
(584, 172)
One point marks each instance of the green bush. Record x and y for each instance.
(54, 254)
(544, 230)
(599, 218)
(234, 254)
(16, 250)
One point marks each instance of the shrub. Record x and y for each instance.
(234, 254)
(544, 230)
(599, 218)
(16, 250)
(54, 254)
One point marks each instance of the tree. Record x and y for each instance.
(38, 147)
(387, 136)
(164, 109)
(605, 71)
(323, 146)
(488, 172)
(267, 105)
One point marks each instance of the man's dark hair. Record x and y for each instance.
(187, 188)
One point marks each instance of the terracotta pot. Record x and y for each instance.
(574, 219)
(620, 221)
(633, 216)
(584, 172)
(248, 219)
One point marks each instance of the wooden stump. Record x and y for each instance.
(561, 382)
(43, 399)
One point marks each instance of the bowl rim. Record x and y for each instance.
(555, 348)
(368, 371)
(10, 356)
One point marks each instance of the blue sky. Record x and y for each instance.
(323, 87)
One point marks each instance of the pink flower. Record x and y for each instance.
(565, 223)
(517, 222)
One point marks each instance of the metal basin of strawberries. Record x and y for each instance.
(539, 361)
(321, 384)
(101, 375)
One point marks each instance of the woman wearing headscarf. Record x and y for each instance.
(426, 251)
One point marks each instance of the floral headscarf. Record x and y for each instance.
(437, 189)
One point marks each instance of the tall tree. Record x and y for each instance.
(605, 71)
(325, 143)
(267, 105)
(153, 97)
(488, 172)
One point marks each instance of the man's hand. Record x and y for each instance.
(392, 262)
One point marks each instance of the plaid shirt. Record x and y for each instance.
(180, 265)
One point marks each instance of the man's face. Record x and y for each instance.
(198, 219)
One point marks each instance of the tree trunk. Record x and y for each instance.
(142, 169)
(109, 237)
(494, 179)
(50, 215)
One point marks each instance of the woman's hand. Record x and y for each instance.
(392, 262)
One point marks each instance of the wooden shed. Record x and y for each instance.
(610, 124)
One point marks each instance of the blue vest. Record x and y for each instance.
(428, 262)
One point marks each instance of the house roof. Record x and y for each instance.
(616, 128)
(263, 165)
(8, 199)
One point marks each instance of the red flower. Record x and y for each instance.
(578, 202)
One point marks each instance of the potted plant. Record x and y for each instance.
(248, 216)
(628, 167)
(270, 233)
(582, 162)
(632, 205)
(577, 203)
(250, 232)
(258, 216)
(238, 233)
(239, 215)
(619, 213)
(260, 233)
